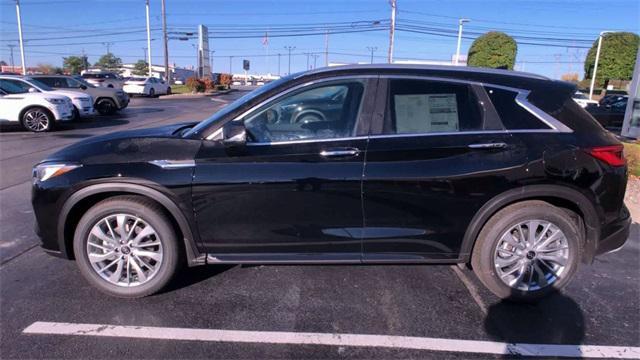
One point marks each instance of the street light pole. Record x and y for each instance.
(230, 63)
(24, 66)
(289, 48)
(167, 76)
(11, 46)
(148, 38)
(392, 30)
(372, 49)
(460, 24)
(595, 65)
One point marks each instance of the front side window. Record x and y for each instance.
(321, 112)
(424, 106)
(14, 86)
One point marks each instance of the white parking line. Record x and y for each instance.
(300, 338)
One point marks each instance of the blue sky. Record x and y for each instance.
(56, 28)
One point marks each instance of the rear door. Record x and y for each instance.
(439, 153)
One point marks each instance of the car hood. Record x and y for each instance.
(160, 143)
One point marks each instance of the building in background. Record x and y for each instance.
(157, 71)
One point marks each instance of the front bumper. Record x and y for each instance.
(123, 101)
(62, 112)
(615, 234)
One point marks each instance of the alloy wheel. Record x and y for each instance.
(36, 120)
(124, 250)
(531, 255)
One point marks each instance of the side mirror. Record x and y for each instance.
(33, 90)
(234, 134)
(83, 87)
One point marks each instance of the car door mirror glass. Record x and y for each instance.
(234, 133)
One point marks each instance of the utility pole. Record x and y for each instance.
(372, 49)
(392, 29)
(230, 63)
(326, 48)
(108, 45)
(308, 54)
(211, 52)
(148, 39)
(167, 75)
(595, 65)
(145, 52)
(279, 64)
(24, 66)
(315, 58)
(460, 24)
(289, 48)
(11, 46)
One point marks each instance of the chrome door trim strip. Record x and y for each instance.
(173, 164)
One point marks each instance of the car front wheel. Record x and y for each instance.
(106, 107)
(37, 120)
(126, 247)
(527, 250)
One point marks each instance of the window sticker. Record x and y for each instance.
(418, 113)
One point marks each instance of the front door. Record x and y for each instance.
(294, 191)
(439, 154)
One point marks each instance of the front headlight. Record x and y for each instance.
(55, 101)
(43, 172)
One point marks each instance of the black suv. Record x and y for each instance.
(377, 164)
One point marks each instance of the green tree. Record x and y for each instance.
(75, 64)
(617, 57)
(109, 61)
(141, 68)
(493, 50)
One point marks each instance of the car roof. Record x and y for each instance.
(507, 78)
(47, 75)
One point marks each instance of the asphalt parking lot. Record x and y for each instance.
(285, 311)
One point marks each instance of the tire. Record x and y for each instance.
(491, 251)
(37, 119)
(168, 91)
(162, 244)
(152, 92)
(106, 106)
(110, 86)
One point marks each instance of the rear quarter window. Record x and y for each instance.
(513, 116)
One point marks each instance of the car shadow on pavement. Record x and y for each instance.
(556, 319)
(192, 275)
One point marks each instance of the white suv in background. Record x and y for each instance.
(82, 103)
(36, 111)
(103, 78)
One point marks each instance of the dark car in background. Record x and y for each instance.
(495, 169)
(611, 113)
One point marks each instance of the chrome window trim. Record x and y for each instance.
(521, 99)
(297, 87)
(173, 164)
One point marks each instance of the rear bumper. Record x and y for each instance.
(615, 234)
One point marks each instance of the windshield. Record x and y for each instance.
(39, 84)
(136, 79)
(236, 104)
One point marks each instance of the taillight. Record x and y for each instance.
(612, 155)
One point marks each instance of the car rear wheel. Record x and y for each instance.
(37, 119)
(106, 106)
(527, 250)
(126, 247)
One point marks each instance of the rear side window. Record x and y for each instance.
(513, 116)
(423, 106)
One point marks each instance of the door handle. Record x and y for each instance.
(340, 152)
(496, 145)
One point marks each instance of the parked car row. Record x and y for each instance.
(140, 85)
(39, 101)
(610, 111)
